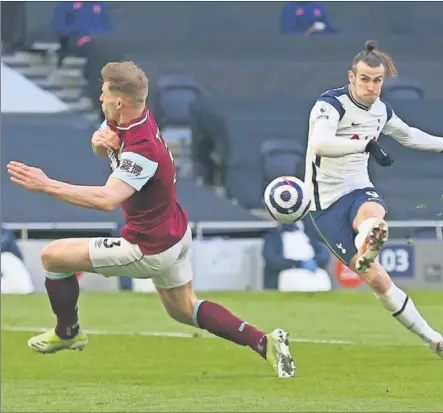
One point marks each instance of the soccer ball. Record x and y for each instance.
(287, 199)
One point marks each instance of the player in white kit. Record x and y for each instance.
(347, 211)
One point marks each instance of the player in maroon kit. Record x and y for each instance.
(156, 240)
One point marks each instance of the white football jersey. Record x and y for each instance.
(339, 130)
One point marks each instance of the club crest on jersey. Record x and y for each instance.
(324, 112)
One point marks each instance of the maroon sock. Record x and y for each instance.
(63, 295)
(221, 322)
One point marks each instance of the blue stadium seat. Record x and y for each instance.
(402, 88)
(280, 157)
(176, 94)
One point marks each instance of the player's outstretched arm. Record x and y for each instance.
(105, 198)
(412, 137)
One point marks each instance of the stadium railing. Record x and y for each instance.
(25, 227)
(438, 225)
(199, 228)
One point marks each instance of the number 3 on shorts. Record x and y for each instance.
(109, 243)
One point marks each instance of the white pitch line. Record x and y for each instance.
(162, 334)
(313, 340)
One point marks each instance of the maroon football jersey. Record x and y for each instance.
(154, 219)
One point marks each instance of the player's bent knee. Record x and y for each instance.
(67, 256)
(372, 209)
(369, 210)
(49, 256)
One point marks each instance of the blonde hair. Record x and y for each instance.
(375, 58)
(127, 79)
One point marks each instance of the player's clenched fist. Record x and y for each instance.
(104, 139)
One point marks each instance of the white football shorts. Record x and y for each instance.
(114, 257)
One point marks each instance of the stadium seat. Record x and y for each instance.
(176, 93)
(402, 88)
(280, 157)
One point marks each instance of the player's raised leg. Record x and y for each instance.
(372, 233)
(182, 305)
(61, 259)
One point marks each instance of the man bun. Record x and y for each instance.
(370, 46)
(374, 58)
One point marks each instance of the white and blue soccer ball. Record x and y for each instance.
(287, 199)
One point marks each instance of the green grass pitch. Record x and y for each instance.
(351, 356)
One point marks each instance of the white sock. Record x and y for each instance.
(363, 231)
(403, 309)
